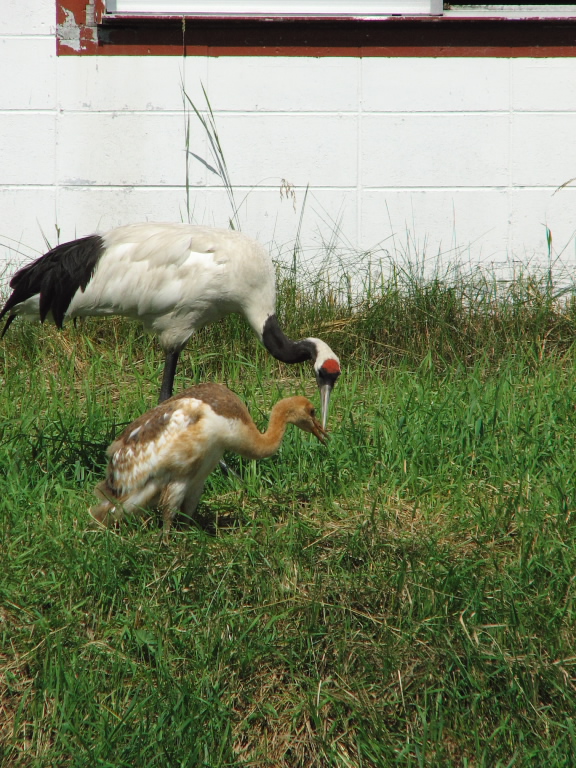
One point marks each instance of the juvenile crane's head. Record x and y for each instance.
(300, 412)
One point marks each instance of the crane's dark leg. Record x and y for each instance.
(170, 363)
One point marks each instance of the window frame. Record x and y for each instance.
(85, 28)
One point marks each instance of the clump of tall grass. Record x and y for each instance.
(403, 317)
(399, 318)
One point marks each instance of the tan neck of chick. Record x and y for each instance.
(291, 410)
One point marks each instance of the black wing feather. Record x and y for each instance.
(56, 277)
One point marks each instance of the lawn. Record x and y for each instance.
(401, 597)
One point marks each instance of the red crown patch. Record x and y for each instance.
(331, 366)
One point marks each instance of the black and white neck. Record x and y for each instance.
(326, 363)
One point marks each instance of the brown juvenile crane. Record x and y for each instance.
(162, 459)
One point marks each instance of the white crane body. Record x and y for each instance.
(174, 278)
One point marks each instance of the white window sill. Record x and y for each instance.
(528, 12)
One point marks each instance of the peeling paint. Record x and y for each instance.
(75, 36)
(69, 32)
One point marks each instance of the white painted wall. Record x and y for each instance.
(416, 156)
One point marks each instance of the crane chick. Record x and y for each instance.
(163, 458)
(173, 277)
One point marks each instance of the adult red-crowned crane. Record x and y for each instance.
(175, 279)
(163, 458)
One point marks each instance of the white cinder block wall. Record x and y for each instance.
(421, 156)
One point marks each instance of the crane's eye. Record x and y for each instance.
(313, 413)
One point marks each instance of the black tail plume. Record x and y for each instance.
(55, 277)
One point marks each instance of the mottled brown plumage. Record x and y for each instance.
(162, 459)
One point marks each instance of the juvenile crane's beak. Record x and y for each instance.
(319, 432)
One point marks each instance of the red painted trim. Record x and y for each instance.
(95, 33)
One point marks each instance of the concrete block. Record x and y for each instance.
(27, 148)
(85, 210)
(28, 17)
(304, 149)
(127, 149)
(434, 151)
(407, 84)
(543, 150)
(435, 230)
(28, 220)
(532, 213)
(31, 84)
(253, 84)
(128, 83)
(543, 85)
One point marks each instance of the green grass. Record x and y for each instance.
(403, 597)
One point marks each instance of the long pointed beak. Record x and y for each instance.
(325, 392)
(319, 432)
